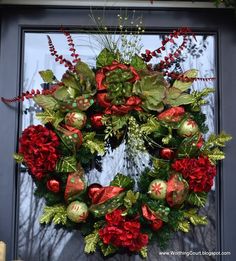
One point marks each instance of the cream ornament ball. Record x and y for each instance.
(157, 189)
(77, 211)
(188, 128)
(76, 119)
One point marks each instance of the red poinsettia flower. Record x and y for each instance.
(120, 232)
(174, 114)
(198, 172)
(38, 145)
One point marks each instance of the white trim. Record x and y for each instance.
(112, 3)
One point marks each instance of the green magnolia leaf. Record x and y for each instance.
(151, 89)
(91, 242)
(198, 199)
(47, 76)
(93, 144)
(108, 249)
(69, 80)
(122, 181)
(144, 252)
(130, 198)
(19, 158)
(66, 164)
(85, 73)
(105, 57)
(46, 102)
(173, 93)
(138, 63)
(50, 116)
(181, 100)
(183, 86)
(63, 94)
(56, 214)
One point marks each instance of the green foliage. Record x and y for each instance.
(69, 79)
(86, 76)
(152, 125)
(19, 158)
(122, 181)
(194, 218)
(176, 97)
(114, 125)
(64, 93)
(151, 89)
(198, 98)
(105, 58)
(93, 144)
(175, 217)
(144, 181)
(200, 119)
(138, 63)
(47, 76)
(56, 214)
(46, 102)
(188, 148)
(159, 209)
(91, 242)
(198, 199)
(160, 169)
(48, 116)
(184, 226)
(214, 155)
(184, 85)
(144, 252)
(130, 198)
(217, 140)
(107, 249)
(66, 164)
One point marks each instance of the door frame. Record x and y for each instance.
(15, 20)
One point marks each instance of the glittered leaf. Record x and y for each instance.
(151, 126)
(91, 242)
(130, 198)
(66, 164)
(184, 85)
(184, 226)
(217, 140)
(198, 199)
(198, 98)
(138, 63)
(56, 214)
(105, 57)
(108, 249)
(194, 218)
(144, 252)
(215, 155)
(46, 102)
(70, 81)
(47, 76)
(122, 181)
(19, 158)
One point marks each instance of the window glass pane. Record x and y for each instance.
(37, 243)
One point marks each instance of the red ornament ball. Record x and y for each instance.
(96, 120)
(93, 188)
(53, 185)
(157, 224)
(167, 153)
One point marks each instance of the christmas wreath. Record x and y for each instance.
(124, 100)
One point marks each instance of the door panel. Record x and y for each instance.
(17, 27)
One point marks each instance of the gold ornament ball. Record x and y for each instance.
(77, 211)
(157, 189)
(76, 119)
(188, 128)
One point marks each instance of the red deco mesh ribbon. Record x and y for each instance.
(174, 114)
(177, 190)
(132, 103)
(75, 184)
(100, 195)
(152, 217)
